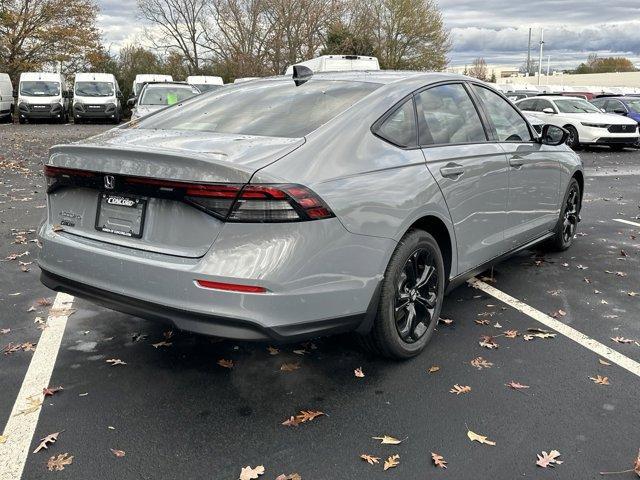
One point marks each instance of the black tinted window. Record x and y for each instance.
(449, 116)
(509, 124)
(527, 105)
(400, 127)
(275, 108)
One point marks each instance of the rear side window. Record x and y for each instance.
(527, 105)
(400, 128)
(449, 116)
(509, 124)
(273, 108)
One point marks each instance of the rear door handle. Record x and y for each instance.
(516, 161)
(452, 170)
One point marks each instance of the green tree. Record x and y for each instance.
(343, 41)
(132, 61)
(596, 64)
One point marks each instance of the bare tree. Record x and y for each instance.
(178, 26)
(479, 69)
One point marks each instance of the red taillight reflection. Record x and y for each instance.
(230, 287)
(51, 171)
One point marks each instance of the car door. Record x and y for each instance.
(534, 170)
(470, 170)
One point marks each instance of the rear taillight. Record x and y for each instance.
(230, 287)
(228, 201)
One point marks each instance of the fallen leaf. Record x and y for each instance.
(446, 321)
(59, 462)
(118, 453)
(163, 343)
(548, 459)
(289, 367)
(50, 391)
(482, 321)
(481, 363)
(387, 440)
(433, 369)
(302, 417)
(46, 441)
(458, 389)
(516, 385)
(43, 302)
(369, 458)
(291, 476)
(633, 294)
(300, 352)
(635, 469)
(225, 363)
(273, 351)
(28, 347)
(116, 361)
(621, 340)
(600, 380)
(487, 341)
(4, 331)
(510, 333)
(474, 437)
(3, 439)
(603, 362)
(438, 460)
(392, 462)
(559, 313)
(248, 473)
(358, 372)
(34, 405)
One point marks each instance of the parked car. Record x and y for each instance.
(338, 63)
(586, 124)
(287, 208)
(43, 95)
(6, 98)
(96, 96)
(628, 106)
(143, 78)
(156, 96)
(205, 83)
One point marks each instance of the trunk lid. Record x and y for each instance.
(143, 220)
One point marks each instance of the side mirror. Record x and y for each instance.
(548, 110)
(553, 135)
(119, 94)
(620, 111)
(603, 110)
(132, 102)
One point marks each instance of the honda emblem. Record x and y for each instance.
(109, 182)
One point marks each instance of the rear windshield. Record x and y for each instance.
(166, 94)
(274, 108)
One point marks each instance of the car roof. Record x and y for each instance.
(378, 76)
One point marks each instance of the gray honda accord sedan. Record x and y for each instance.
(290, 207)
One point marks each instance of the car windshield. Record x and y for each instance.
(576, 106)
(94, 89)
(166, 94)
(39, 88)
(275, 108)
(207, 87)
(633, 105)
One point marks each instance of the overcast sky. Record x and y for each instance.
(494, 29)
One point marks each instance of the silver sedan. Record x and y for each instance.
(290, 207)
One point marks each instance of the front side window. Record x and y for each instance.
(599, 103)
(166, 95)
(575, 105)
(527, 105)
(400, 127)
(39, 88)
(542, 104)
(509, 124)
(449, 116)
(275, 108)
(634, 105)
(94, 89)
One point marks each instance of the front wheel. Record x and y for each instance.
(411, 298)
(573, 140)
(569, 217)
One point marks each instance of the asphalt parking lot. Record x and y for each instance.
(171, 411)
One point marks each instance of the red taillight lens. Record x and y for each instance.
(230, 287)
(57, 172)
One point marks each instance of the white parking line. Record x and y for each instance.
(22, 423)
(578, 337)
(628, 222)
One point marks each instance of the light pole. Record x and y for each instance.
(540, 57)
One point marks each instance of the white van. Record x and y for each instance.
(143, 78)
(43, 95)
(205, 83)
(96, 96)
(6, 98)
(338, 63)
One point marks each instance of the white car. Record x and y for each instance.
(585, 123)
(6, 98)
(156, 96)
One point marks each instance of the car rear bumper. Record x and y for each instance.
(319, 279)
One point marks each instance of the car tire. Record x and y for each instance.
(567, 224)
(22, 121)
(573, 139)
(407, 311)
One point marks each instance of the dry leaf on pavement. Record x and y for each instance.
(387, 440)
(302, 417)
(291, 476)
(116, 361)
(603, 362)
(438, 460)
(433, 369)
(118, 453)
(50, 391)
(548, 459)
(458, 389)
(487, 341)
(516, 385)
(3, 439)
(34, 405)
(370, 458)
(59, 462)
(163, 343)
(480, 363)
(474, 437)
(510, 333)
(225, 363)
(49, 439)
(392, 462)
(358, 372)
(600, 380)
(635, 469)
(248, 473)
(621, 340)
(290, 367)
(273, 350)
